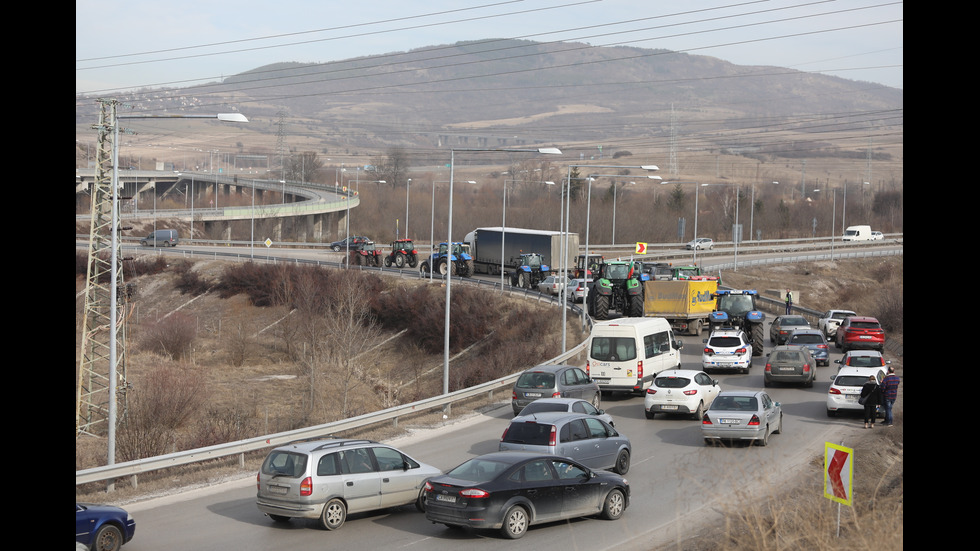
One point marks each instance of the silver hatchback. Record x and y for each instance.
(554, 381)
(584, 438)
(328, 479)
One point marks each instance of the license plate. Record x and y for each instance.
(728, 421)
(787, 369)
(532, 394)
(668, 407)
(864, 337)
(282, 490)
(446, 498)
(851, 397)
(601, 381)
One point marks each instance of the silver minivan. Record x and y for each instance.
(582, 437)
(161, 238)
(328, 479)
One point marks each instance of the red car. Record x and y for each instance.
(860, 332)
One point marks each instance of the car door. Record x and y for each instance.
(770, 411)
(399, 486)
(540, 485)
(573, 381)
(708, 388)
(603, 447)
(579, 497)
(362, 482)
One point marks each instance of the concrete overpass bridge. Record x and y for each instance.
(311, 212)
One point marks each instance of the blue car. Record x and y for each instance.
(102, 527)
(815, 341)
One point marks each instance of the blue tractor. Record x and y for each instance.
(459, 262)
(738, 309)
(530, 271)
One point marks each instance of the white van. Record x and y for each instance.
(857, 233)
(625, 354)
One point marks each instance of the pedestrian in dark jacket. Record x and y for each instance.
(889, 394)
(871, 395)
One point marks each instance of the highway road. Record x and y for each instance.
(676, 482)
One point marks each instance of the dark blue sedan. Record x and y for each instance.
(103, 527)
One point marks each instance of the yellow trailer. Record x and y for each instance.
(685, 303)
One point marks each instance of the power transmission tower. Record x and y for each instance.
(281, 144)
(94, 385)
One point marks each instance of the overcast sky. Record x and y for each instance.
(135, 43)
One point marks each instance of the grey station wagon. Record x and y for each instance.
(584, 438)
(554, 381)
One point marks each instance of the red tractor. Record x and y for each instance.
(367, 255)
(402, 252)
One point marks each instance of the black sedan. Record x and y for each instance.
(512, 490)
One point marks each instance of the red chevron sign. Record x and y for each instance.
(838, 473)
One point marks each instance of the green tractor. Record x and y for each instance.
(619, 287)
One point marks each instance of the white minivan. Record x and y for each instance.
(857, 233)
(626, 354)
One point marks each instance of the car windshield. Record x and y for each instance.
(735, 403)
(534, 434)
(478, 470)
(617, 271)
(808, 338)
(724, 342)
(613, 349)
(536, 379)
(671, 382)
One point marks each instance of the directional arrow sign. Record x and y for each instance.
(641, 248)
(838, 473)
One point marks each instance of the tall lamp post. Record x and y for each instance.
(113, 283)
(408, 186)
(449, 241)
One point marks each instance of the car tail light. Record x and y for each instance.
(474, 493)
(258, 481)
(740, 350)
(806, 368)
(651, 391)
(552, 439)
(639, 369)
(705, 420)
(691, 392)
(833, 390)
(587, 371)
(556, 394)
(504, 435)
(821, 346)
(709, 351)
(754, 420)
(769, 367)
(428, 486)
(306, 487)
(514, 395)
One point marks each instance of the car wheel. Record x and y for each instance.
(515, 522)
(108, 538)
(279, 518)
(622, 462)
(765, 437)
(831, 413)
(650, 414)
(614, 504)
(699, 413)
(335, 248)
(334, 514)
(142, 243)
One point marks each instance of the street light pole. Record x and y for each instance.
(408, 186)
(449, 242)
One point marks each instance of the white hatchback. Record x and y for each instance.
(845, 388)
(686, 391)
(727, 349)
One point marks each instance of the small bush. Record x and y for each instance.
(171, 336)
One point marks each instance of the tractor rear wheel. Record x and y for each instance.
(399, 260)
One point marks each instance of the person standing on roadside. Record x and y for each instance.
(789, 301)
(890, 394)
(871, 398)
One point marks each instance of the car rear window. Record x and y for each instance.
(539, 406)
(865, 324)
(533, 434)
(536, 379)
(865, 361)
(794, 321)
(806, 339)
(725, 342)
(283, 463)
(671, 382)
(786, 356)
(613, 349)
(851, 380)
(735, 403)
